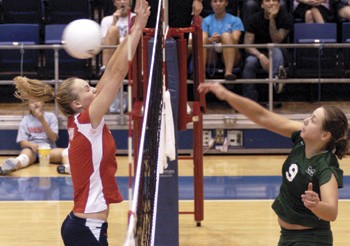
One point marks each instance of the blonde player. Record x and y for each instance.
(91, 145)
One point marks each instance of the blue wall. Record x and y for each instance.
(252, 139)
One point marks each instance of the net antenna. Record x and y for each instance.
(141, 228)
(130, 159)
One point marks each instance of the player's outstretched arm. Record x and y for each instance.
(256, 113)
(117, 66)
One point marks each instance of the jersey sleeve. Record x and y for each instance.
(286, 21)
(53, 122)
(84, 124)
(105, 24)
(22, 134)
(326, 175)
(205, 24)
(237, 24)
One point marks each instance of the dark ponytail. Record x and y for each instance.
(337, 124)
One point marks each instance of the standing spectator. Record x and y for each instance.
(343, 8)
(115, 27)
(91, 145)
(222, 28)
(268, 26)
(313, 11)
(38, 127)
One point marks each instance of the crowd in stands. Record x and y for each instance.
(265, 21)
(224, 22)
(296, 11)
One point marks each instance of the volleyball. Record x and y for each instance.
(82, 38)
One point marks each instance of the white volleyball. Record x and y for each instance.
(82, 38)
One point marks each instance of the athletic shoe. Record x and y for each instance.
(8, 165)
(230, 76)
(101, 72)
(282, 74)
(63, 169)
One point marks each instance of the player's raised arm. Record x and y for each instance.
(117, 66)
(253, 110)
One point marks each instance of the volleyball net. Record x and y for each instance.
(142, 215)
(154, 220)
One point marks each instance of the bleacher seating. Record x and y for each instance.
(65, 11)
(68, 66)
(22, 11)
(14, 62)
(50, 12)
(311, 62)
(345, 53)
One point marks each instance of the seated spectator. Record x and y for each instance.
(250, 7)
(343, 8)
(268, 26)
(222, 28)
(313, 11)
(38, 127)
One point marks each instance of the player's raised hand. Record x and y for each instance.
(142, 11)
(310, 198)
(197, 7)
(216, 88)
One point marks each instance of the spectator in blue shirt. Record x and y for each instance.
(222, 28)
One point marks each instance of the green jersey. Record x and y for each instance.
(297, 172)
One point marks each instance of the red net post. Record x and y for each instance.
(198, 163)
(182, 61)
(198, 67)
(198, 106)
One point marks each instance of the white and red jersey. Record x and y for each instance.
(93, 164)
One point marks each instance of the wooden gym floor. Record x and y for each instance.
(227, 221)
(31, 210)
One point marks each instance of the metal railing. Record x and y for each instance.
(269, 80)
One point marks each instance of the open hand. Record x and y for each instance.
(216, 88)
(142, 11)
